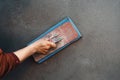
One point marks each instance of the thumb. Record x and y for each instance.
(53, 45)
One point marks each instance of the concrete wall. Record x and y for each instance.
(95, 57)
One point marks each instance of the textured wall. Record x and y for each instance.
(95, 57)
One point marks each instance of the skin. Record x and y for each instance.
(40, 46)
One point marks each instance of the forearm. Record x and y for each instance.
(40, 46)
(24, 53)
(11, 60)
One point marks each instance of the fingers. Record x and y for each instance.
(43, 51)
(50, 44)
(53, 45)
(43, 46)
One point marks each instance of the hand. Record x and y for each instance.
(43, 46)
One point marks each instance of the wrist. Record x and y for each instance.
(32, 49)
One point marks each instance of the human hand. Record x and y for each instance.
(43, 46)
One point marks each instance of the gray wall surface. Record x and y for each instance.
(95, 57)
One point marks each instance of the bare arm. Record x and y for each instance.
(10, 60)
(40, 46)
